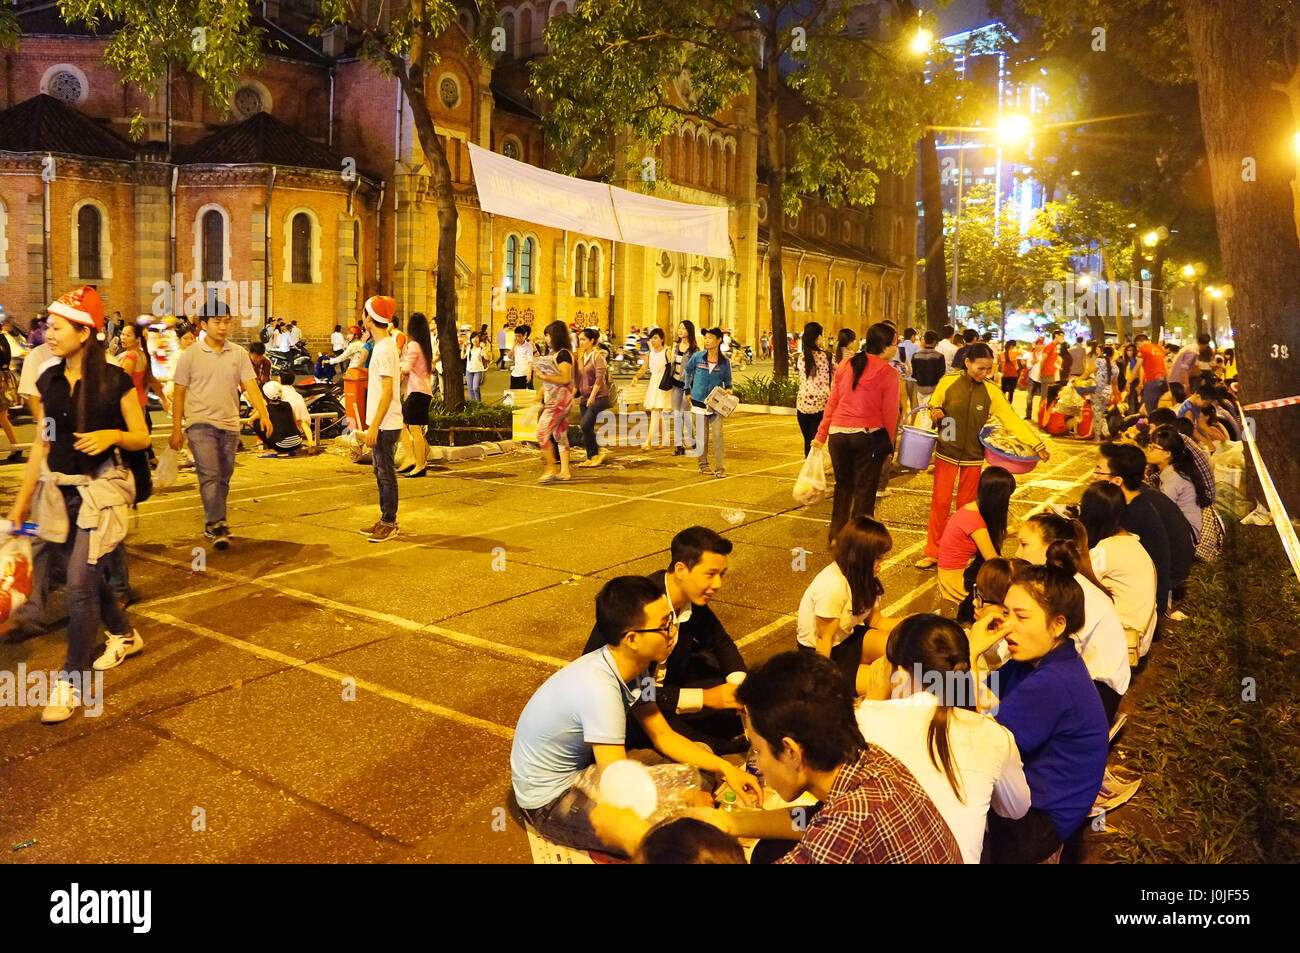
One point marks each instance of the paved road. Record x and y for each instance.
(237, 719)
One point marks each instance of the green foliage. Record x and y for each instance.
(210, 39)
(772, 391)
(473, 414)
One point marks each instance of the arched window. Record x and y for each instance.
(526, 31)
(889, 303)
(809, 293)
(508, 26)
(701, 159)
(839, 297)
(593, 272)
(89, 264)
(214, 228)
(512, 260)
(526, 267)
(866, 301)
(579, 268)
(301, 249)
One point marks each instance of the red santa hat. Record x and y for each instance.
(81, 306)
(381, 308)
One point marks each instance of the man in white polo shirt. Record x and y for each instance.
(205, 397)
(383, 412)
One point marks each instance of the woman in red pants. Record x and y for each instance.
(961, 405)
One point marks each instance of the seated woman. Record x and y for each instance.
(1121, 564)
(966, 762)
(839, 614)
(1047, 538)
(974, 533)
(1180, 478)
(1046, 700)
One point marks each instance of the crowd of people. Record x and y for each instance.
(978, 731)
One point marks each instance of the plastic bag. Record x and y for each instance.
(168, 470)
(677, 786)
(810, 486)
(15, 574)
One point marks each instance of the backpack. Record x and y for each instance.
(611, 389)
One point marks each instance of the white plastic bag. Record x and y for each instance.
(810, 487)
(168, 470)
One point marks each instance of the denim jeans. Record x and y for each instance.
(89, 598)
(567, 821)
(683, 418)
(708, 429)
(475, 380)
(1151, 394)
(386, 473)
(591, 410)
(213, 450)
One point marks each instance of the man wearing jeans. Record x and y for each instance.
(383, 412)
(207, 381)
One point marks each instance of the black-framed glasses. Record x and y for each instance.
(1102, 474)
(661, 629)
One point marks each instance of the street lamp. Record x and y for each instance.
(921, 41)
(1013, 129)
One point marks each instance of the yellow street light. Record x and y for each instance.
(1075, 172)
(1215, 292)
(1189, 271)
(922, 40)
(1013, 129)
(1150, 239)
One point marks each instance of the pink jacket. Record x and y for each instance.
(874, 403)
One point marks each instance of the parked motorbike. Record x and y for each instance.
(298, 360)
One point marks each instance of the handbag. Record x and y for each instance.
(666, 382)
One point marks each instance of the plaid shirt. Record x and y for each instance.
(876, 813)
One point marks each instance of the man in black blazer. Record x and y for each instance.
(691, 688)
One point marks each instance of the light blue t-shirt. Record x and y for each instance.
(583, 704)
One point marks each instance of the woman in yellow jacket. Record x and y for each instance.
(961, 405)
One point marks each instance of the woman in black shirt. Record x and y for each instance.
(91, 410)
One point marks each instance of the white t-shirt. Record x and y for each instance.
(337, 341)
(521, 356)
(34, 364)
(948, 350)
(984, 758)
(384, 362)
(295, 400)
(1128, 572)
(283, 341)
(1101, 641)
(828, 596)
(295, 335)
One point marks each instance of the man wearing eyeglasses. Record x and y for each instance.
(579, 716)
(205, 403)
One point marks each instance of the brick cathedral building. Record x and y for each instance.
(311, 194)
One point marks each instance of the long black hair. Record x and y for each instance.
(879, 337)
(926, 643)
(1170, 440)
(1067, 542)
(1102, 510)
(811, 332)
(992, 497)
(96, 389)
(842, 340)
(691, 345)
(418, 331)
(559, 334)
(861, 542)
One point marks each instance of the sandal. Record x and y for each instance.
(547, 478)
(719, 474)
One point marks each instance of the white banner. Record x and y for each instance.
(519, 190)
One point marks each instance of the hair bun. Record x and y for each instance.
(1060, 555)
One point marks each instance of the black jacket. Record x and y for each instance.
(703, 657)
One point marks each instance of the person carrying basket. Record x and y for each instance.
(962, 405)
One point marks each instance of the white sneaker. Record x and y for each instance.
(119, 647)
(61, 702)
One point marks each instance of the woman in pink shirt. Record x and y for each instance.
(978, 527)
(859, 423)
(417, 357)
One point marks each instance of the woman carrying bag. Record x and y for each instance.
(858, 425)
(682, 352)
(814, 369)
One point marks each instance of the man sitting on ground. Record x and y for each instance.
(870, 810)
(579, 716)
(691, 687)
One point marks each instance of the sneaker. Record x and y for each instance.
(209, 532)
(369, 530)
(884, 492)
(383, 531)
(222, 538)
(62, 700)
(119, 647)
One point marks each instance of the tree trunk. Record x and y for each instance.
(1109, 270)
(1197, 310)
(936, 268)
(776, 218)
(412, 78)
(1241, 116)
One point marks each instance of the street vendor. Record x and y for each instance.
(961, 406)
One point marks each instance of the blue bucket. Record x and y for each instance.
(916, 445)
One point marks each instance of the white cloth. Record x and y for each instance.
(283, 341)
(295, 400)
(828, 596)
(295, 334)
(1124, 567)
(1101, 641)
(105, 501)
(948, 350)
(384, 362)
(985, 760)
(34, 364)
(337, 341)
(656, 399)
(354, 354)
